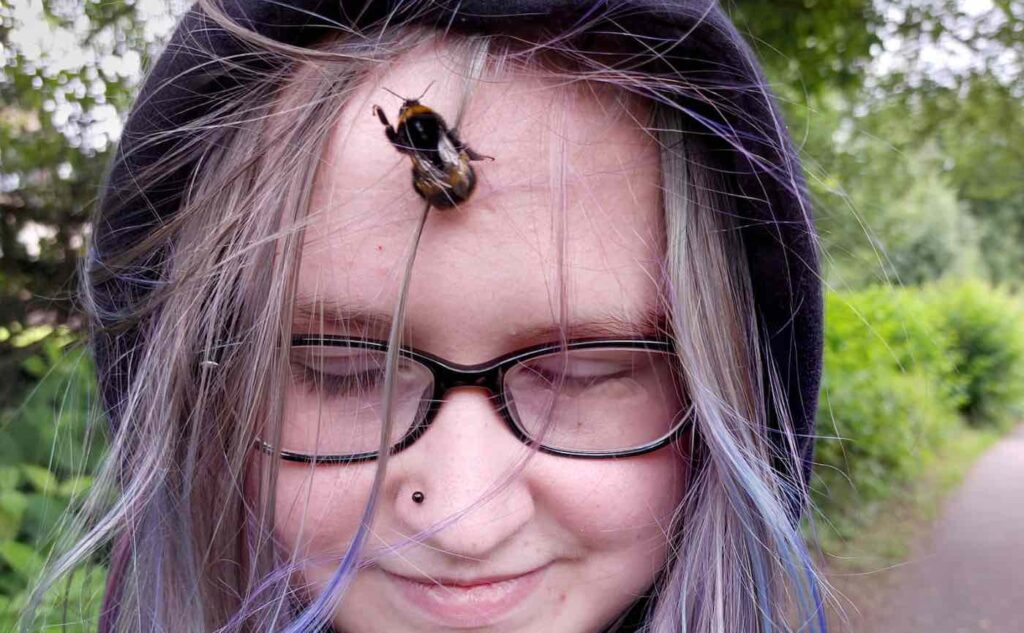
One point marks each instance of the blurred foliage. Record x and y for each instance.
(68, 71)
(52, 149)
(985, 327)
(46, 463)
(909, 117)
(901, 220)
(811, 45)
(905, 368)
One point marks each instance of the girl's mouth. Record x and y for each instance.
(468, 603)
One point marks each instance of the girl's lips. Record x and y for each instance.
(471, 603)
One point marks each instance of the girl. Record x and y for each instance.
(562, 378)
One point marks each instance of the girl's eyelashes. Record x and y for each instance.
(329, 384)
(572, 383)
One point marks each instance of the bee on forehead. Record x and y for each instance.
(441, 173)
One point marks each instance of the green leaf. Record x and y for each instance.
(35, 366)
(75, 486)
(42, 516)
(10, 477)
(8, 614)
(12, 509)
(42, 479)
(21, 558)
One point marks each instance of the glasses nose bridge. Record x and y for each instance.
(451, 377)
(448, 377)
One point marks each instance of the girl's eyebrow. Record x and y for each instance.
(650, 323)
(329, 315)
(332, 315)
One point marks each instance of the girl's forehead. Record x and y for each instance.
(571, 202)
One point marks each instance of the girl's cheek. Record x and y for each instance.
(610, 504)
(318, 511)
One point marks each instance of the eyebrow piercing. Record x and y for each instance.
(418, 497)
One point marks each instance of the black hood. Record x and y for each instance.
(695, 38)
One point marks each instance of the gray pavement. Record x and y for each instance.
(969, 576)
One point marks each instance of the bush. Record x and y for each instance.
(889, 394)
(986, 329)
(876, 428)
(893, 328)
(904, 368)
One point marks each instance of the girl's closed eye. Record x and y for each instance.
(334, 374)
(612, 374)
(577, 376)
(329, 384)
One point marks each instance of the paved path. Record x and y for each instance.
(969, 578)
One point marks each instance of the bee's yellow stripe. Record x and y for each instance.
(413, 111)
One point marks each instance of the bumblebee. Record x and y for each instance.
(441, 173)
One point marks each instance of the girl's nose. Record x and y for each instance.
(468, 468)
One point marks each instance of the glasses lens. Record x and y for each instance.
(596, 400)
(335, 402)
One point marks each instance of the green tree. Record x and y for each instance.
(872, 86)
(68, 70)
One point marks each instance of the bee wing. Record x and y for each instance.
(426, 169)
(448, 151)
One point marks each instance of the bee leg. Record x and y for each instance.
(388, 130)
(474, 155)
(462, 147)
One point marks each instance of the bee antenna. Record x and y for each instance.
(394, 93)
(425, 90)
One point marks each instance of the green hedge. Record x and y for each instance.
(986, 327)
(904, 368)
(47, 456)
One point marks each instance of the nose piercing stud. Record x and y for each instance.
(418, 497)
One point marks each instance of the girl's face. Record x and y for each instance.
(567, 544)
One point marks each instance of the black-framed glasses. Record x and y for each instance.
(587, 399)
